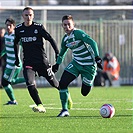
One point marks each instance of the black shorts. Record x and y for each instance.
(30, 72)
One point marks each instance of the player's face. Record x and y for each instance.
(68, 26)
(28, 16)
(9, 27)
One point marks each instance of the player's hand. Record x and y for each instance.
(55, 68)
(17, 63)
(99, 62)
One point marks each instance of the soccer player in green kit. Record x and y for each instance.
(85, 61)
(11, 71)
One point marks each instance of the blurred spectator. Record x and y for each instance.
(110, 72)
(111, 68)
(2, 61)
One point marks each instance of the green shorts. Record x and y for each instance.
(11, 74)
(87, 72)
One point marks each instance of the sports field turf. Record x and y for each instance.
(84, 117)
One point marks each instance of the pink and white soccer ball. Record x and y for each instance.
(107, 111)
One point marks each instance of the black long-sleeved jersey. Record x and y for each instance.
(31, 38)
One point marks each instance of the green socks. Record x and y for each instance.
(18, 80)
(64, 98)
(10, 93)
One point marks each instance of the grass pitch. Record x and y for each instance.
(84, 116)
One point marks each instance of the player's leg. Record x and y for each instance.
(50, 76)
(69, 102)
(85, 89)
(66, 79)
(45, 70)
(87, 74)
(109, 77)
(0, 74)
(53, 81)
(29, 76)
(9, 90)
(6, 83)
(70, 73)
(16, 79)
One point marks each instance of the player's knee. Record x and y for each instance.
(31, 87)
(4, 82)
(30, 82)
(85, 89)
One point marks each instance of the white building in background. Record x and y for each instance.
(12, 2)
(123, 1)
(26, 2)
(53, 2)
(56, 2)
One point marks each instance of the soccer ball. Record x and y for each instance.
(107, 111)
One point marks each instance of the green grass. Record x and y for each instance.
(84, 117)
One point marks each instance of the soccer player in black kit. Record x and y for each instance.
(35, 60)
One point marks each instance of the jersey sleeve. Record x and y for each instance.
(62, 53)
(89, 41)
(16, 38)
(48, 37)
(3, 52)
(16, 42)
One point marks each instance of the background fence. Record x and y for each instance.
(112, 28)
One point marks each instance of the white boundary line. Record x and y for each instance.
(31, 106)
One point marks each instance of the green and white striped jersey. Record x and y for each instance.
(84, 48)
(9, 50)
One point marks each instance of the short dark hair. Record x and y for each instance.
(12, 21)
(67, 17)
(27, 8)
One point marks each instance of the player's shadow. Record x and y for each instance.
(83, 117)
